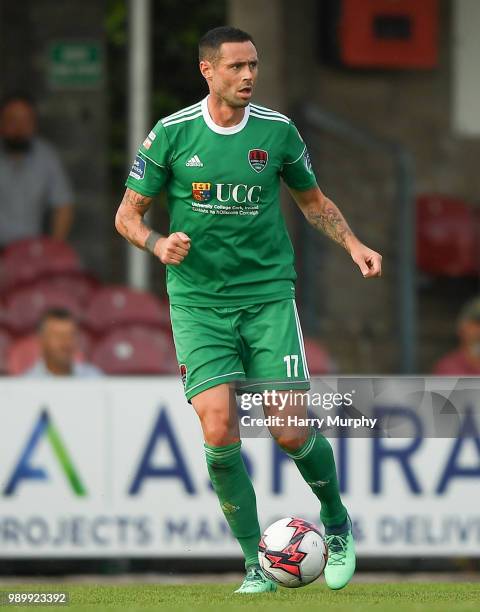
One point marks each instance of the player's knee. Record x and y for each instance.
(291, 442)
(217, 415)
(217, 430)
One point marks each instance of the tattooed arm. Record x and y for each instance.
(323, 215)
(130, 224)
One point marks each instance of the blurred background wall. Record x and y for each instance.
(42, 47)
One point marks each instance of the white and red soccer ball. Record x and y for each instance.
(292, 552)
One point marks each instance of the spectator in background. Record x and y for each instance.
(58, 336)
(32, 179)
(465, 359)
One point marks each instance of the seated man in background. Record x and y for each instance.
(58, 336)
(32, 179)
(465, 359)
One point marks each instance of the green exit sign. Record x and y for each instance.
(75, 65)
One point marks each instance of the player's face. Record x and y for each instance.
(231, 77)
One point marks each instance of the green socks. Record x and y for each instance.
(235, 493)
(316, 464)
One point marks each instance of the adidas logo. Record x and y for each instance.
(194, 162)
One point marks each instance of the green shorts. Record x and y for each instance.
(261, 345)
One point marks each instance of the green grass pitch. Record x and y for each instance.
(395, 597)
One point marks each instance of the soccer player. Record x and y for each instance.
(230, 277)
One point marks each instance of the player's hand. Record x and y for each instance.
(369, 261)
(173, 249)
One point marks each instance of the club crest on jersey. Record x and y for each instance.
(183, 374)
(258, 159)
(202, 192)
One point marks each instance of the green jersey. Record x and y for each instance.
(222, 186)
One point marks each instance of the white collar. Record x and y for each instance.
(218, 128)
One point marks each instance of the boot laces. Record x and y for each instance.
(254, 576)
(337, 549)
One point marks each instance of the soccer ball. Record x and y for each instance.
(292, 552)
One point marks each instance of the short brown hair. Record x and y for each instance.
(210, 43)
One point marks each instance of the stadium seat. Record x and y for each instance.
(5, 341)
(447, 237)
(319, 361)
(26, 305)
(79, 285)
(136, 350)
(115, 305)
(85, 344)
(28, 260)
(3, 317)
(3, 280)
(25, 351)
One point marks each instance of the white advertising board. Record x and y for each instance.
(115, 467)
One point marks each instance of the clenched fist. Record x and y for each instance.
(172, 249)
(369, 261)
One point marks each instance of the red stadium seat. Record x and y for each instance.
(318, 360)
(25, 351)
(136, 350)
(27, 260)
(3, 280)
(26, 306)
(115, 306)
(85, 345)
(3, 317)
(5, 341)
(447, 237)
(79, 285)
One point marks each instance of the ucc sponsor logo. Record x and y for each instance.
(227, 192)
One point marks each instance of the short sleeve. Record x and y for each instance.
(297, 171)
(150, 169)
(60, 191)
